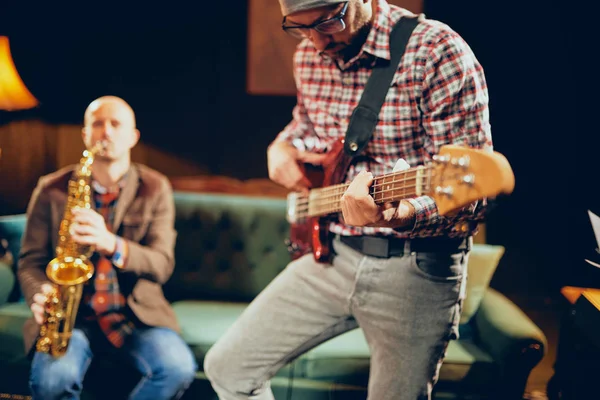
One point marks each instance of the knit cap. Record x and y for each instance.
(291, 6)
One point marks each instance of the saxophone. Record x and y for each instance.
(71, 267)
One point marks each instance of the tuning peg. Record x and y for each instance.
(461, 161)
(469, 179)
(441, 159)
(447, 191)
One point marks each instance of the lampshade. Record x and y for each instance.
(13, 92)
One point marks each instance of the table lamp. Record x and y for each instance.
(14, 95)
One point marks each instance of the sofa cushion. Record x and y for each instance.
(483, 260)
(344, 359)
(203, 322)
(11, 229)
(7, 282)
(12, 319)
(227, 247)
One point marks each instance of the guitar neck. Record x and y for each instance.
(386, 188)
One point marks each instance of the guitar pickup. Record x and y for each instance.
(292, 204)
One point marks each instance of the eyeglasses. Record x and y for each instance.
(327, 27)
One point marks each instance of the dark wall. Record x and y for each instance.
(182, 70)
(184, 73)
(533, 70)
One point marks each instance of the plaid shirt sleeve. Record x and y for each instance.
(119, 258)
(454, 103)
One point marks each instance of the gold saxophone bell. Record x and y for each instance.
(71, 267)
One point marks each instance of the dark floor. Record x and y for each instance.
(545, 311)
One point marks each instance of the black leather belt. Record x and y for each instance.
(386, 247)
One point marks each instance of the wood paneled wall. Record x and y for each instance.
(270, 50)
(34, 148)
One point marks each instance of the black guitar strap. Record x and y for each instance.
(366, 114)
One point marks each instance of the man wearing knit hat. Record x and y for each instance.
(398, 271)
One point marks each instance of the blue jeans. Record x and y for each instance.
(408, 308)
(164, 360)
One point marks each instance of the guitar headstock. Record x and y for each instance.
(461, 175)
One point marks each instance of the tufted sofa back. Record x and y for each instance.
(228, 246)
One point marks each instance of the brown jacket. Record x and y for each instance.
(145, 217)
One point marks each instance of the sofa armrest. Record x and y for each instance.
(7, 282)
(513, 340)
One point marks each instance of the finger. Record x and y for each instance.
(366, 203)
(304, 183)
(300, 189)
(84, 219)
(88, 214)
(294, 179)
(362, 178)
(87, 239)
(83, 210)
(47, 288)
(84, 230)
(345, 212)
(388, 213)
(77, 229)
(359, 187)
(287, 174)
(388, 205)
(401, 165)
(39, 299)
(38, 313)
(352, 210)
(72, 228)
(311, 158)
(367, 178)
(37, 308)
(80, 214)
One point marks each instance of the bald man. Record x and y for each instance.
(123, 313)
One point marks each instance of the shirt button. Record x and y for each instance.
(347, 81)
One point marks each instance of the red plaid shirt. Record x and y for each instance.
(103, 301)
(438, 96)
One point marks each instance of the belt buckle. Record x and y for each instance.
(376, 246)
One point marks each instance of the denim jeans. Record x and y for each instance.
(164, 360)
(408, 308)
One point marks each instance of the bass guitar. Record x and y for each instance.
(455, 177)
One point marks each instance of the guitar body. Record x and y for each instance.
(312, 234)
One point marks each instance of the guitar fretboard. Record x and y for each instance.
(386, 188)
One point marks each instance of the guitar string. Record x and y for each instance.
(323, 202)
(384, 189)
(333, 191)
(378, 182)
(379, 188)
(323, 210)
(303, 206)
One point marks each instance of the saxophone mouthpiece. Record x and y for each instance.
(100, 147)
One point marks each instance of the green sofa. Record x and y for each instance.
(228, 248)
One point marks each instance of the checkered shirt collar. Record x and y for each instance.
(377, 43)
